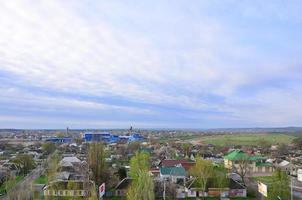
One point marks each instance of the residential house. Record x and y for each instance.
(187, 164)
(253, 163)
(71, 179)
(122, 187)
(288, 167)
(232, 189)
(174, 174)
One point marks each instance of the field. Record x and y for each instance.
(243, 139)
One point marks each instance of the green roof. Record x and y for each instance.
(145, 150)
(240, 155)
(178, 171)
(236, 155)
(265, 164)
(255, 158)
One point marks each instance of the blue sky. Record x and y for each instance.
(150, 64)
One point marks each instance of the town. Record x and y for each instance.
(150, 164)
(150, 100)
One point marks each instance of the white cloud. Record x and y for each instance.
(48, 44)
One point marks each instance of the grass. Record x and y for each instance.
(263, 179)
(3, 186)
(41, 180)
(245, 139)
(216, 198)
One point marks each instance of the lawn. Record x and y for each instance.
(41, 180)
(3, 186)
(264, 179)
(246, 139)
(216, 198)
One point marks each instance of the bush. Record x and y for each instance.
(251, 192)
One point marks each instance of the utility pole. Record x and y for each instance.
(164, 194)
(291, 180)
(291, 188)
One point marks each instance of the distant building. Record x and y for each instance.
(110, 138)
(59, 139)
(97, 137)
(71, 180)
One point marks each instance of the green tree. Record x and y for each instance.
(142, 186)
(139, 162)
(220, 177)
(297, 142)
(60, 134)
(52, 165)
(72, 185)
(202, 171)
(10, 182)
(122, 173)
(48, 148)
(96, 161)
(24, 162)
(186, 149)
(133, 147)
(265, 146)
(279, 187)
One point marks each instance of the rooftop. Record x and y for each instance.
(176, 171)
(240, 155)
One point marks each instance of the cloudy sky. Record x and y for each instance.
(150, 64)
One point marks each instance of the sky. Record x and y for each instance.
(150, 64)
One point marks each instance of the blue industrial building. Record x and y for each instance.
(136, 137)
(110, 138)
(59, 139)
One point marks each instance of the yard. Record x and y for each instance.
(10, 185)
(41, 180)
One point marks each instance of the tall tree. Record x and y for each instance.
(283, 149)
(96, 161)
(52, 166)
(241, 167)
(139, 162)
(221, 179)
(279, 186)
(202, 171)
(142, 186)
(25, 162)
(48, 148)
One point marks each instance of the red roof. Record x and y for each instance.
(172, 163)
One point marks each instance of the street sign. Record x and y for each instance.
(102, 190)
(262, 188)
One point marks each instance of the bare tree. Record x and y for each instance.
(241, 167)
